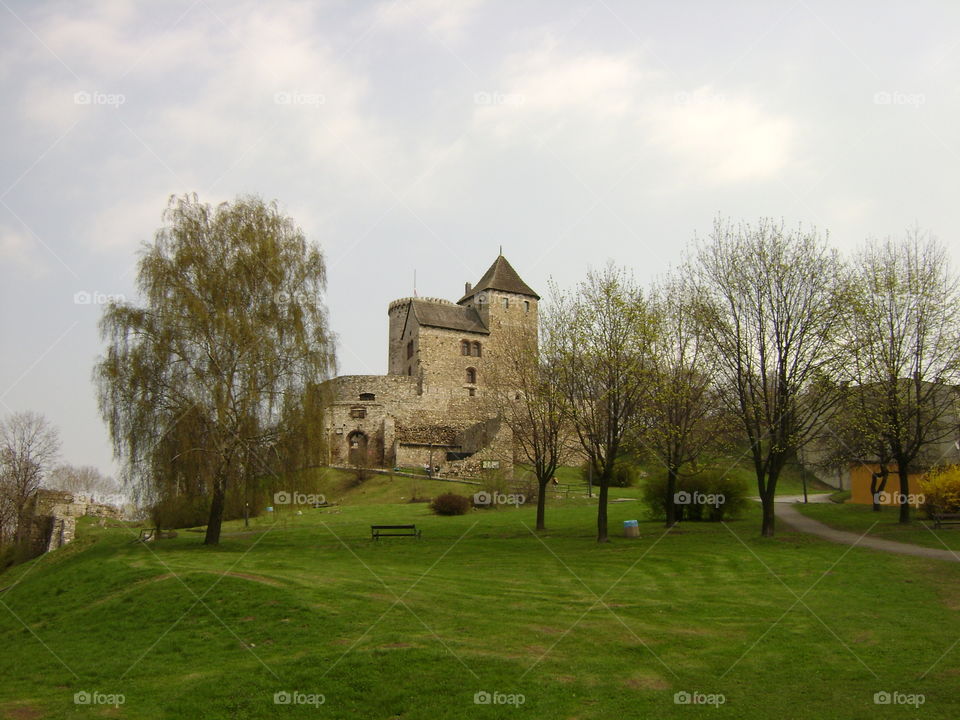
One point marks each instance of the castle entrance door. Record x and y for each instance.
(357, 442)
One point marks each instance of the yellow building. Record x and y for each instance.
(861, 475)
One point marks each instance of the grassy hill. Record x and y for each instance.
(790, 627)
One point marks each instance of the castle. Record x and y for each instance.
(429, 409)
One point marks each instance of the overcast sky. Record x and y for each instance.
(424, 134)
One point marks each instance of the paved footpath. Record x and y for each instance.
(798, 521)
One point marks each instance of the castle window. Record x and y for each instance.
(367, 396)
(409, 371)
(472, 376)
(358, 412)
(505, 301)
(476, 349)
(410, 349)
(526, 306)
(465, 347)
(473, 392)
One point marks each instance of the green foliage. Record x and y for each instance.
(210, 383)
(450, 504)
(727, 496)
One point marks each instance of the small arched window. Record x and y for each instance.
(465, 347)
(471, 376)
(476, 349)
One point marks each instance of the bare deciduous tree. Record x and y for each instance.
(29, 446)
(603, 338)
(682, 417)
(772, 304)
(903, 345)
(524, 393)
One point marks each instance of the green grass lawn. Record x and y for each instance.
(884, 524)
(415, 629)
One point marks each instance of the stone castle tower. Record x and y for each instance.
(428, 409)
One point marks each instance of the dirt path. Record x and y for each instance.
(800, 522)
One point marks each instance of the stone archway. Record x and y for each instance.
(357, 448)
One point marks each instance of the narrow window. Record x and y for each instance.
(409, 349)
(472, 376)
(473, 392)
(476, 349)
(526, 306)
(465, 347)
(505, 301)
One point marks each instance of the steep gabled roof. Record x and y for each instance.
(501, 276)
(448, 316)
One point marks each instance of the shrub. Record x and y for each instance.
(941, 490)
(180, 511)
(696, 489)
(450, 504)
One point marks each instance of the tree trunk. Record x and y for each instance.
(671, 506)
(769, 517)
(602, 536)
(216, 512)
(542, 503)
(876, 489)
(904, 472)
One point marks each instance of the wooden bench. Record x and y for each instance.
(941, 519)
(147, 535)
(377, 531)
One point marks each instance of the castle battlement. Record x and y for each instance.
(403, 302)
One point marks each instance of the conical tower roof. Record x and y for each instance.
(501, 276)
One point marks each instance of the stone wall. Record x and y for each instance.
(54, 518)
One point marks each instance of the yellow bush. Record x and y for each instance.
(941, 487)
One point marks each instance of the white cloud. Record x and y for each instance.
(444, 20)
(592, 102)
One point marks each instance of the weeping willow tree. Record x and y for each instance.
(199, 384)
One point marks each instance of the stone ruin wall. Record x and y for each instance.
(55, 516)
